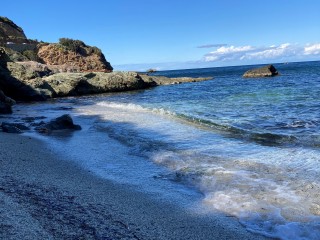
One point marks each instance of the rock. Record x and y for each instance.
(266, 71)
(4, 58)
(10, 32)
(17, 125)
(5, 103)
(161, 80)
(61, 58)
(13, 127)
(60, 123)
(75, 84)
(22, 81)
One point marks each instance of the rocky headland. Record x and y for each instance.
(36, 71)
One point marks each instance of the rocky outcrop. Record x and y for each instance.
(60, 123)
(161, 80)
(10, 32)
(5, 103)
(75, 84)
(13, 127)
(60, 58)
(266, 71)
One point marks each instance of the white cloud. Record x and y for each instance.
(212, 45)
(313, 49)
(273, 52)
(227, 53)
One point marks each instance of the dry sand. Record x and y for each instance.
(43, 197)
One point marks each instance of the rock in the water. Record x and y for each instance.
(60, 123)
(161, 80)
(13, 127)
(17, 125)
(266, 71)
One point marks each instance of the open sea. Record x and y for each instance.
(246, 148)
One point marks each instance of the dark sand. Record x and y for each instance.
(44, 197)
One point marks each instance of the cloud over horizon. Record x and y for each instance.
(280, 52)
(212, 45)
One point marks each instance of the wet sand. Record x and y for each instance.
(45, 197)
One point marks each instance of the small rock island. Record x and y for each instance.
(265, 71)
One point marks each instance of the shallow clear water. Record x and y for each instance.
(250, 146)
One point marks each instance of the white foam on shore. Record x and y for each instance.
(272, 191)
(265, 187)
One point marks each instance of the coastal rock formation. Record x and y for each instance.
(266, 71)
(74, 84)
(78, 58)
(13, 127)
(5, 103)
(161, 80)
(60, 123)
(10, 32)
(67, 68)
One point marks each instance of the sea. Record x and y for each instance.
(245, 148)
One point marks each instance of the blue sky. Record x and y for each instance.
(175, 34)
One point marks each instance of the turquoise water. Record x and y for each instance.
(251, 147)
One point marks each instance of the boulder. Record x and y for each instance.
(13, 127)
(60, 123)
(266, 71)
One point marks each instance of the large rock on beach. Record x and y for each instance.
(266, 71)
(13, 127)
(75, 84)
(61, 123)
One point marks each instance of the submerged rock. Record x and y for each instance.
(266, 71)
(60, 123)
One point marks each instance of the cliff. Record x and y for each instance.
(68, 68)
(10, 32)
(72, 56)
(66, 56)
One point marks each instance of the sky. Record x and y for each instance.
(178, 34)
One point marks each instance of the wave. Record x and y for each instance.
(265, 138)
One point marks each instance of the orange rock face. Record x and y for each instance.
(64, 60)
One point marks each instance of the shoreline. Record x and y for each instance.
(44, 197)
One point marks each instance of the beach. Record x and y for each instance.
(45, 197)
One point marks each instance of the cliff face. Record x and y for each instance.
(10, 32)
(66, 56)
(61, 59)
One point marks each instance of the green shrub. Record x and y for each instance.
(31, 55)
(73, 45)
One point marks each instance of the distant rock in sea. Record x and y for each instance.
(266, 71)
